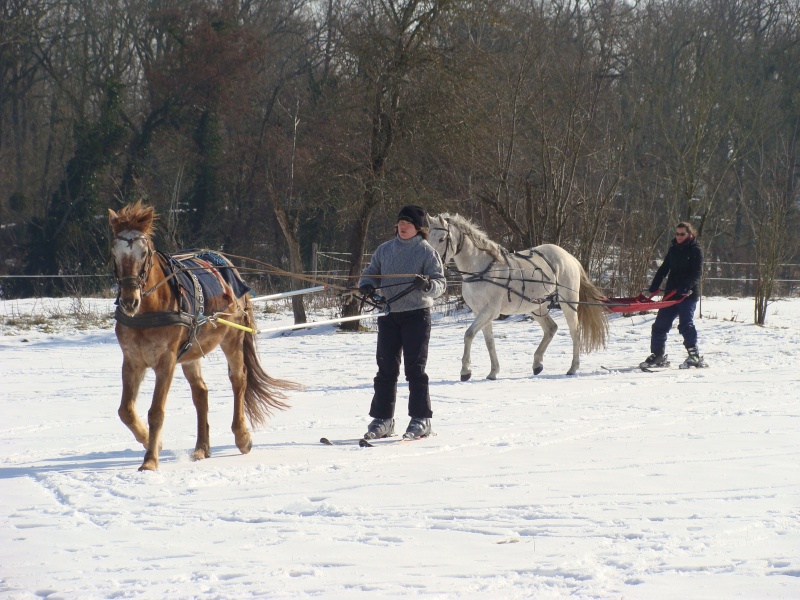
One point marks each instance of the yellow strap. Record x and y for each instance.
(236, 325)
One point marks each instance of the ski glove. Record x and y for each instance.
(367, 289)
(652, 289)
(682, 291)
(422, 282)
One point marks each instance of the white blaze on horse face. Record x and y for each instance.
(130, 251)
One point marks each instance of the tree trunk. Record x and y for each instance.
(357, 237)
(289, 230)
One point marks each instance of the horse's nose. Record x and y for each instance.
(129, 305)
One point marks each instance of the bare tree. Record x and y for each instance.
(393, 43)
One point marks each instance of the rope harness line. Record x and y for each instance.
(172, 267)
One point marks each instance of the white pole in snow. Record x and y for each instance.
(318, 323)
(310, 290)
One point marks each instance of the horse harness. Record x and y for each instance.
(190, 311)
(551, 299)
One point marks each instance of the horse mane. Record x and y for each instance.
(133, 217)
(477, 235)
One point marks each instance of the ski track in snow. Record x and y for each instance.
(677, 484)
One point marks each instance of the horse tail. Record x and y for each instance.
(592, 315)
(263, 393)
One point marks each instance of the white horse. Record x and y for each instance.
(532, 281)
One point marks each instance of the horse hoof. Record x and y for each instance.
(149, 465)
(537, 370)
(492, 377)
(245, 448)
(466, 377)
(200, 454)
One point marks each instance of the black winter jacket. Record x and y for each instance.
(684, 263)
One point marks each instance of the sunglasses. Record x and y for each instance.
(680, 234)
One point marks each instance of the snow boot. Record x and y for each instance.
(418, 428)
(379, 428)
(655, 360)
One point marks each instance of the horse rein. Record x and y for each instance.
(137, 282)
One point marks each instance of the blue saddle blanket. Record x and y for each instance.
(219, 281)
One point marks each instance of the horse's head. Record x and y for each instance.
(443, 237)
(132, 252)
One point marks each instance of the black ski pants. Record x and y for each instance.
(408, 332)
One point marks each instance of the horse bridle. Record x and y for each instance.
(448, 241)
(135, 282)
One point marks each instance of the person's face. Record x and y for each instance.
(681, 235)
(405, 230)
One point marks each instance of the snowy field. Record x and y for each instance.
(678, 484)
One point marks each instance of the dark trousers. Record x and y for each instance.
(408, 332)
(684, 311)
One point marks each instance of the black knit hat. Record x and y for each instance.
(415, 215)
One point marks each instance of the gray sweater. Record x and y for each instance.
(405, 258)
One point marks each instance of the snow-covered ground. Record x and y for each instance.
(678, 484)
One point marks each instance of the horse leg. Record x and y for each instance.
(488, 337)
(574, 330)
(194, 375)
(155, 416)
(237, 373)
(485, 316)
(132, 377)
(549, 328)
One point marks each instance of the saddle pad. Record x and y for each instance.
(219, 281)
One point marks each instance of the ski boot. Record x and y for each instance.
(694, 359)
(655, 361)
(418, 428)
(379, 428)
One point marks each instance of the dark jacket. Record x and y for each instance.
(684, 263)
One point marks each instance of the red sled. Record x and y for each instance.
(641, 303)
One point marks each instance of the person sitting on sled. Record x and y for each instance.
(408, 268)
(684, 264)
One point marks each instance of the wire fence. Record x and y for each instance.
(719, 279)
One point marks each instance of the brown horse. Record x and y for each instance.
(154, 332)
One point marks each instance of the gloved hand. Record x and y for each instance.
(422, 282)
(367, 289)
(682, 291)
(652, 289)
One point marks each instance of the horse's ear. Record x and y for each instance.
(113, 218)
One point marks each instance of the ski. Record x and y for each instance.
(625, 369)
(663, 367)
(389, 442)
(701, 365)
(633, 369)
(347, 442)
(368, 443)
